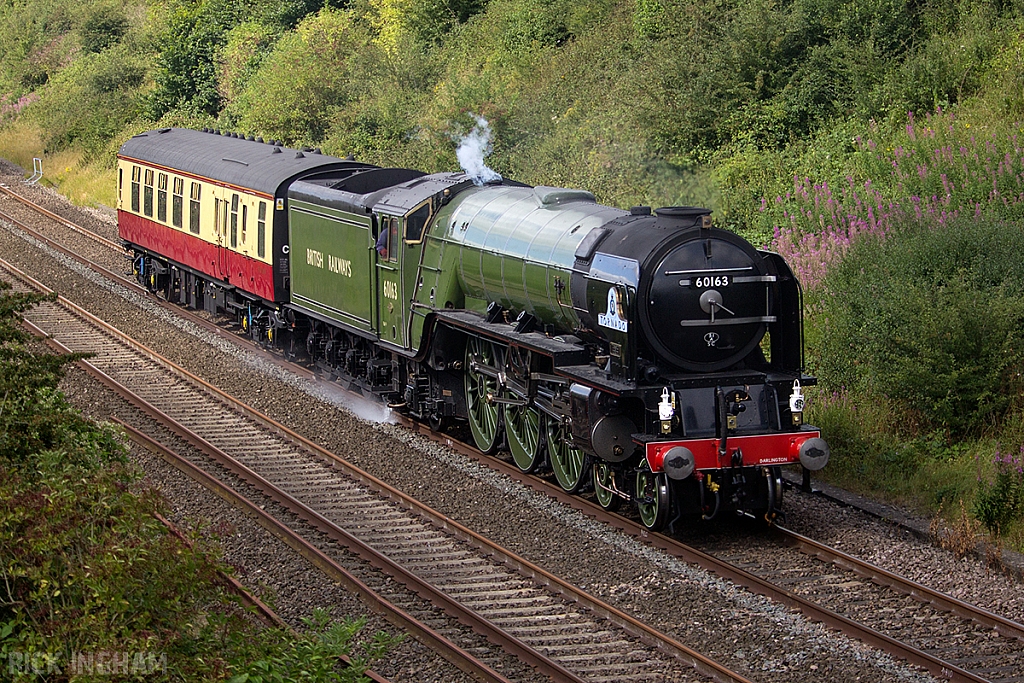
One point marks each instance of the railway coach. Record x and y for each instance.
(646, 354)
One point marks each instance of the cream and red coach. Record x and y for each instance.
(213, 211)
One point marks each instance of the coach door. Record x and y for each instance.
(220, 229)
(390, 288)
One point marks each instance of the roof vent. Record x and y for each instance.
(277, 150)
(300, 155)
(259, 140)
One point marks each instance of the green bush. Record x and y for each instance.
(186, 67)
(91, 101)
(1001, 500)
(302, 84)
(88, 570)
(101, 26)
(246, 46)
(931, 318)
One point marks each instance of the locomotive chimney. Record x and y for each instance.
(683, 217)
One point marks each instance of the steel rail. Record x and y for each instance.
(60, 219)
(316, 520)
(754, 583)
(539, 576)
(1003, 626)
(268, 615)
(741, 577)
(395, 615)
(462, 659)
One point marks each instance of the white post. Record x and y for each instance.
(37, 171)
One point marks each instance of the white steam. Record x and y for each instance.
(473, 148)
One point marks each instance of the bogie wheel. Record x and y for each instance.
(567, 462)
(522, 429)
(604, 481)
(652, 499)
(438, 423)
(480, 391)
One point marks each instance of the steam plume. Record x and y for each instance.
(473, 148)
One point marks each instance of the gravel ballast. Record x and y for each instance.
(743, 631)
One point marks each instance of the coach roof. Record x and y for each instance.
(235, 161)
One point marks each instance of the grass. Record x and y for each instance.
(19, 143)
(83, 183)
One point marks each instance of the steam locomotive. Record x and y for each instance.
(647, 354)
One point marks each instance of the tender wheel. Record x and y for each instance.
(568, 463)
(480, 390)
(652, 499)
(604, 479)
(522, 430)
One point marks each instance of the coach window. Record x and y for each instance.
(161, 197)
(193, 208)
(147, 194)
(245, 219)
(415, 222)
(177, 199)
(136, 187)
(261, 230)
(234, 221)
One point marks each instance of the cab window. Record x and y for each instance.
(416, 222)
(393, 240)
(383, 239)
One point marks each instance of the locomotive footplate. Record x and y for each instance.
(561, 352)
(597, 378)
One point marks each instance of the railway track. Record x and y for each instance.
(974, 654)
(829, 586)
(561, 631)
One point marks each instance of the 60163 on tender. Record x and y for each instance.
(647, 354)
